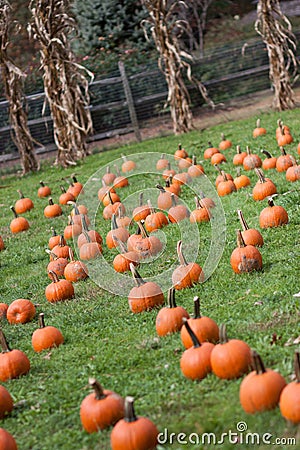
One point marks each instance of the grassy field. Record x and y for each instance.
(103, 339)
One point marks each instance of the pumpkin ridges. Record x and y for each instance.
(13, 363)
(45, 337)
(251, 236)
(289, 402)
(18, 224)
(245, 258)
(145, 296)
(6, 403)
(169, 318)
(273, 215)
(20, 311)
(187, 274)
(7, 441)
(59, 290)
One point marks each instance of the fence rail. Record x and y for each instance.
(122, 104)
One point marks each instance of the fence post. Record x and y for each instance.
(130, 102)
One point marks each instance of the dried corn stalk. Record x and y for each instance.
(165, 29)
(13, 84)
(276, 30)
(65, 83)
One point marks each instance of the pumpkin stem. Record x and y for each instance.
(270, 202)
(136, 276)
(4, 343)
(216, 166)
(74, 178)
(50, 201)
(171, 298)
(142, 229)
(179, 147)
(197, 314)
(114, 224)
(195, 340)
(152, 210)
(268, 154)
(53, 232)
(124, 158)
(53, 276)
(71, 255)
(14, 211)
(260, 175)
(224, 175)
(168, 181)
(198, 203)
(258, 363)
(240, 240)
(141, 198)
(238, 149)
(98, 389)
(20, 193)
(297, 366)
(41, 320)
(223, 334)
(42, 183)
(222, 136)
(52, 254)
(238, 171)
(182, 260)
(248, 150)
(242, 220)
(258, 123)
(129, 413)
(120, 244)
(283, 152)
(83, 222)
(194, 160)
(61, 241)
(173, 199)
(161, 188)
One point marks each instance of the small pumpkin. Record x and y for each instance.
(55, 239)
(46, 337)
(7, 441)
(133, 432)
(72, 230)
(61, 250)
(164, 199)
(142, 211)
(115, 231)
(178, 211)
(225, 187)
(284, 161)
(108, 177)
(260, 390)
(20, 311)
(171, 187)
(241, 180)
(120, 181)
(259, 130)
(264, 187)
(168, 172)
(100, 409)
(187, 274)
(184, 163)
(218, 158)
(231, 358)
(89, 249)
(57, 264)
(145, 296)
(283, 135)
(205, 328)
(209, 151)
(110, 197)
(145, 245)
(220, 177)
(121, 262)
(289, 402)
(239, 156)
(13, 363)
(128, 165)
(180, 153)
(225, 144)
(251, 236)
(245, 258)
(207, 202)
(162, 163)
(6, 403)
(273, 215)
(24, 204)
(75, 187)
(102, 192)
(18, 224)
(52, 209)
(75, 270)
(181, 178)
(59, 290)
(195, 170)
(121, 219)
(43, 190)
(293, 173)
(2, 245)
(195, 362)
(155, 220)
(112, 208)
(169, 318)
(252, 160)
(65, 196)
(201, 213)
(93, 235)
(269, 162)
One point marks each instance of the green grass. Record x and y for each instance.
(105, 340)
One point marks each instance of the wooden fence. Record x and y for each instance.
(123, 102)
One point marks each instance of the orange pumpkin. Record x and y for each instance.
(269, 162)
(241, 180)
(260, 390)
(205, 328)
(169, 318)
(75, 270)
(187, 274)
(225, 144)
(251, 160)
(177, 212)
(45, 337)
(225, 187)
(142, 211)
(13, 363)
(6, 403)
(133, 432)
(162, 163)
(145, 296)
(211, 150)
(65, 196)
(116, 232)
(7, 441)
(195, 170)
(251, 236)
(195, 362)
(289, 402)
(3, 310)
(59, 290)
(108, 177)
(24, 204)
(100, 409)
(239, 156)
(245, 258)
(52, 210)
(180, 153)
(284, 161)
(273, 215)
(128, 165)
(18, 224)
(20, 311)
(231, 358)
(43, 190)
(258, 131)
(264, 187)
(155, 220)
(122, 261)
(201, 213)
